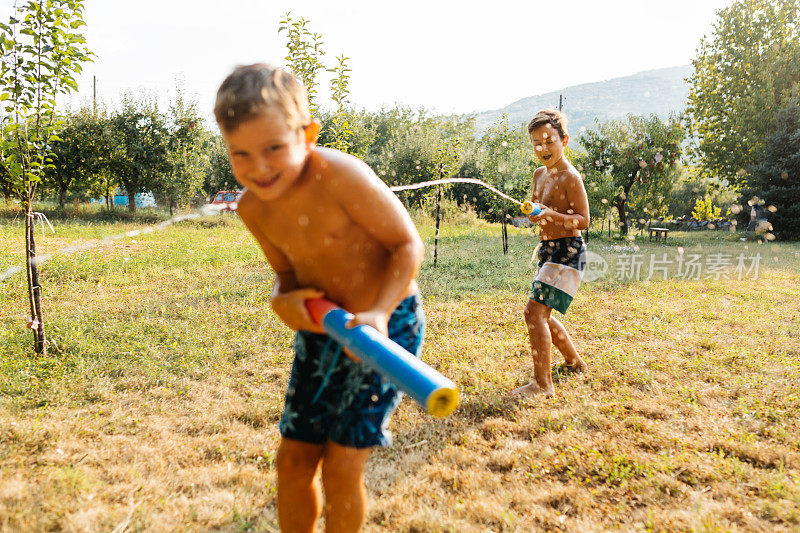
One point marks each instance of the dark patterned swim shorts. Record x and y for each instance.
(331, 397)
(561, 265)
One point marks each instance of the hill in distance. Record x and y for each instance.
(660, 91)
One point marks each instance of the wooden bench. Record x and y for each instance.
(658, 232)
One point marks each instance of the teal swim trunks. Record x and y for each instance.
(561, 265)
(331, 397)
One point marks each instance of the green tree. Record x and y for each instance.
(704, 209)
(305, 55)
(505, 160)
(140, 138)
(187, 158)
(447, 160)
(408, 156)
(694, 184)
(638, 155)
(42, 52)
(776, 176)
(79, 154)
(383, 129)
(743, 73)
(218, 175)
(599, 190)
(340, 120)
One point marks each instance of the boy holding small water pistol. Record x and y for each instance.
(558, 190)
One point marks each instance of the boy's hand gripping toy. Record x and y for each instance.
(437, 394)
(531, 209)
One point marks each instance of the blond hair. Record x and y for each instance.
(557, 119)
(252, 90)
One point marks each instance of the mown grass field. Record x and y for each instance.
(157, 407)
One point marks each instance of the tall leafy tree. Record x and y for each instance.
(218, 174)
(42, 52)
(599, 190)
(340, 120)
(505, 160)
(743, 73)
(412, 148)
(447, 160)
(187, 158)
(305, 55)
(79, 154)
(776, 177)
(140, 138)
(638, 155)
(384, 128)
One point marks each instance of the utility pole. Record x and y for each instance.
(94, 94)
(560, 101)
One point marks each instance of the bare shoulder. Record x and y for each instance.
(571, 177)
(249, 206)
(334, 162)
(341, 172)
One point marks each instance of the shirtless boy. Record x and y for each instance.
(558, 188)
(328, 227)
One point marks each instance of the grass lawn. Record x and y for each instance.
(158, 404)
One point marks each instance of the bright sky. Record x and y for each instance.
(441, 55)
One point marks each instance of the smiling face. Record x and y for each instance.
(548, 145)
(267, 155)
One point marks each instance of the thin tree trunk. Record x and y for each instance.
(436, 238)
(623, 221)
(34, 288)
(505, 234)
(621, 200)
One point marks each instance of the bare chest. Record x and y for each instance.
(552, 193)
(308, 234)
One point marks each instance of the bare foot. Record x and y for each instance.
(563, 369)
(532, 389)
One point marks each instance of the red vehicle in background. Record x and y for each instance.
(227, 200)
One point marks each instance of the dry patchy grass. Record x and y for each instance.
(158, 407)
